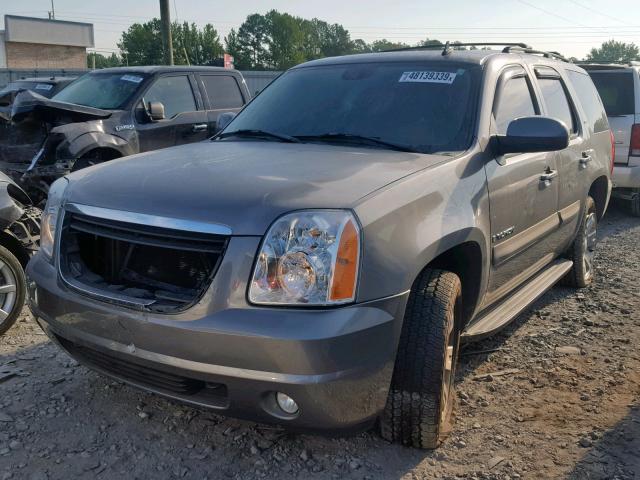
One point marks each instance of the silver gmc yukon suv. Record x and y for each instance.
(319, 262)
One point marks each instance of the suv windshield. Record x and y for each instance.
(101, 90)
(616, 91)
(426, 107)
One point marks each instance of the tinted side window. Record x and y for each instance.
(555, 98)
(514, 102)
(590, 100)
(223, 91)
(175, 94)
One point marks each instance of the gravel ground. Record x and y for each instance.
(555, 395)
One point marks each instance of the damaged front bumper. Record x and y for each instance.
(230, 356)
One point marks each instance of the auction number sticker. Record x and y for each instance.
(44, 86)
(131, 78)
(428, 77)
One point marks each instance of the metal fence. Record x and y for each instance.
(256, 80)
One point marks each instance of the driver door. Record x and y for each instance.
(184, 122)
(523, 193)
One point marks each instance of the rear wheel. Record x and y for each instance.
(582, 250)
(13, 289)
(420, 403)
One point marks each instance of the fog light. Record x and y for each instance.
(286, 403)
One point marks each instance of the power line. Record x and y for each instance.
(597, 12)
(551, 13)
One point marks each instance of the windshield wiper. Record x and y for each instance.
(254, 133)
(358, 139)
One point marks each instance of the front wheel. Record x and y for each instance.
(582, 251)
(13, 289)
(420, 403)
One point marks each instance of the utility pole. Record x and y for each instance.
(165, 22)
(52, 13)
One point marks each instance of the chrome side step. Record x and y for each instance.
(506, 311)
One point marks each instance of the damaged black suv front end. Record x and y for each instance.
(43, 139)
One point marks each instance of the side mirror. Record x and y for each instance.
(224, 119)
(156, 111)
(533, 134)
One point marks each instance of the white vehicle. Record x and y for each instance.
(619, 88)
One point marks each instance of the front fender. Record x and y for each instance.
(409, 223)
(10, 211)
(84, 143)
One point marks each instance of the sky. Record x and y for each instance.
(571, 27)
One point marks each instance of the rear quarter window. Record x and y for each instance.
(590, 101)
(223, 91)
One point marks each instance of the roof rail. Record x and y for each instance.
(519, 49)
(448, 47)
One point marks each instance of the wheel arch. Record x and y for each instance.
(599, 191)
(466, 253)
(12, 244)
(467, 261)
(91, 141)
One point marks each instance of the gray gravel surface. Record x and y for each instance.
(556, 395)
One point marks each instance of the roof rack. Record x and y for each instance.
(519, 49)
(448, 47)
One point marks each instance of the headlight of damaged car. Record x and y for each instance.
(50, 216)
(308, 258)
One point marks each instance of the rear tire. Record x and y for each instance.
(419, 407)
(582, 250)
(11, 299)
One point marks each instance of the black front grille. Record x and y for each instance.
(158, 268)
(214, 394)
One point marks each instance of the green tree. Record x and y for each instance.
(613, 51)
(285, 40)
(252, 42)
(241, 58)
(360, 46)
(102, 61)
(142, 44)
(384, 44)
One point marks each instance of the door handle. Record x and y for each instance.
(548, 175)
(585, 159)
(199, 127)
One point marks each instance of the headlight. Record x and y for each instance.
(308, 258)
(50, 216)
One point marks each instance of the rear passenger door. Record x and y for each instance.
(573, 161)
(223, 94)
(185, 119)
(523, 205)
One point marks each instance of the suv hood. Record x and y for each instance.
(244, 185)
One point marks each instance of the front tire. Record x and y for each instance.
(13, 288)
(420, 403)
(582, 250)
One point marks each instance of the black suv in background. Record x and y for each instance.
(113, 113)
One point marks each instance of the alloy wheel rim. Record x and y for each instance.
(590, 241)
(8, 287)
(448, 374)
